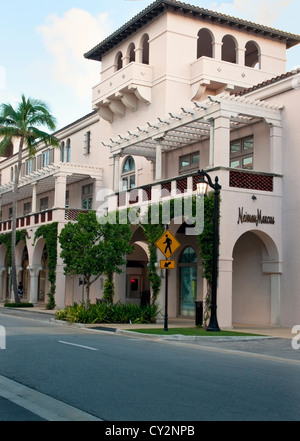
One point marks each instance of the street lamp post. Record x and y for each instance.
(202, 187)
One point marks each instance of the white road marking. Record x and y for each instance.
(78, 346)
(42, 405)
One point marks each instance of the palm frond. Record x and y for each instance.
(28, 121)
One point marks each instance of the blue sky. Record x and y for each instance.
(43, 43)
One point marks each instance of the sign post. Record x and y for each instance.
(167, 244)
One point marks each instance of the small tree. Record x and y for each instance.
(90, 248)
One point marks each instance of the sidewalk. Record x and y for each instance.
(272, 331)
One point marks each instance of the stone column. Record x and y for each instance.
(222, 141)
(224, 295)
(34, 272)
(275, 298)
(274, 269)
(217, 50)
(158, 163)
(240, 56)
(139, 55)
(98, 185)
(60, 294)
(2, 291)
(33, 203)
(116, 173)
(276, 149)
(60, 190)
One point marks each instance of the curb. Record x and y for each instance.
(180, 337)
(174, 337)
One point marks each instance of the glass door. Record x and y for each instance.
(188, 282)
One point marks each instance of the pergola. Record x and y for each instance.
(193, 125)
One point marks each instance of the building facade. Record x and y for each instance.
(181, 89)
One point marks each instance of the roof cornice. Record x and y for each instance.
(161, 6)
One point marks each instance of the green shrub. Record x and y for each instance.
(18, 305)
(108, 313)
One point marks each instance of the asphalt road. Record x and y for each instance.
(63, 370)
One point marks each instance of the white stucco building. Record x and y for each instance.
(181, 89)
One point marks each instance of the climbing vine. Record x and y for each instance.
(152, 234)
(49, 233)
(6, 240)
(204, 239)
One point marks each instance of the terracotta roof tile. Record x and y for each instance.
(160, 6)
(268, 82)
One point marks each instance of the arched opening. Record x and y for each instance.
(254, 296)
(187, 282)
(204, 44)
(119, 61)
(25, 273)
(4, 273)
(131, 53)
(252, 55)
(128, 174)
(145, 49)
(43, 276)
(137, 284)
(229, 49)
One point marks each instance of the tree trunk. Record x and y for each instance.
(88, 284)
(14, 222)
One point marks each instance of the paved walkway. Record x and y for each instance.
(273, 331)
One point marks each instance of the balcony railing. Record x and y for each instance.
(247, 180)
(135, 74)
(43, 217)
(155, 192)
(251, 181)
(222, 72)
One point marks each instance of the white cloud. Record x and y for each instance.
(265, 12)
(67, 38)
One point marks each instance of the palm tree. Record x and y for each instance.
(25, 123)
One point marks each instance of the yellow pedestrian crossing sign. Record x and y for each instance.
(167, 244)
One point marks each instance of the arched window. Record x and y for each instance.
(229, 49)
(252, 55)
(204, 44)
(131, 53)
(187, 282)
(128, 174)
(68, 152)
(119, 61)
(63, 151)
(145, 48)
